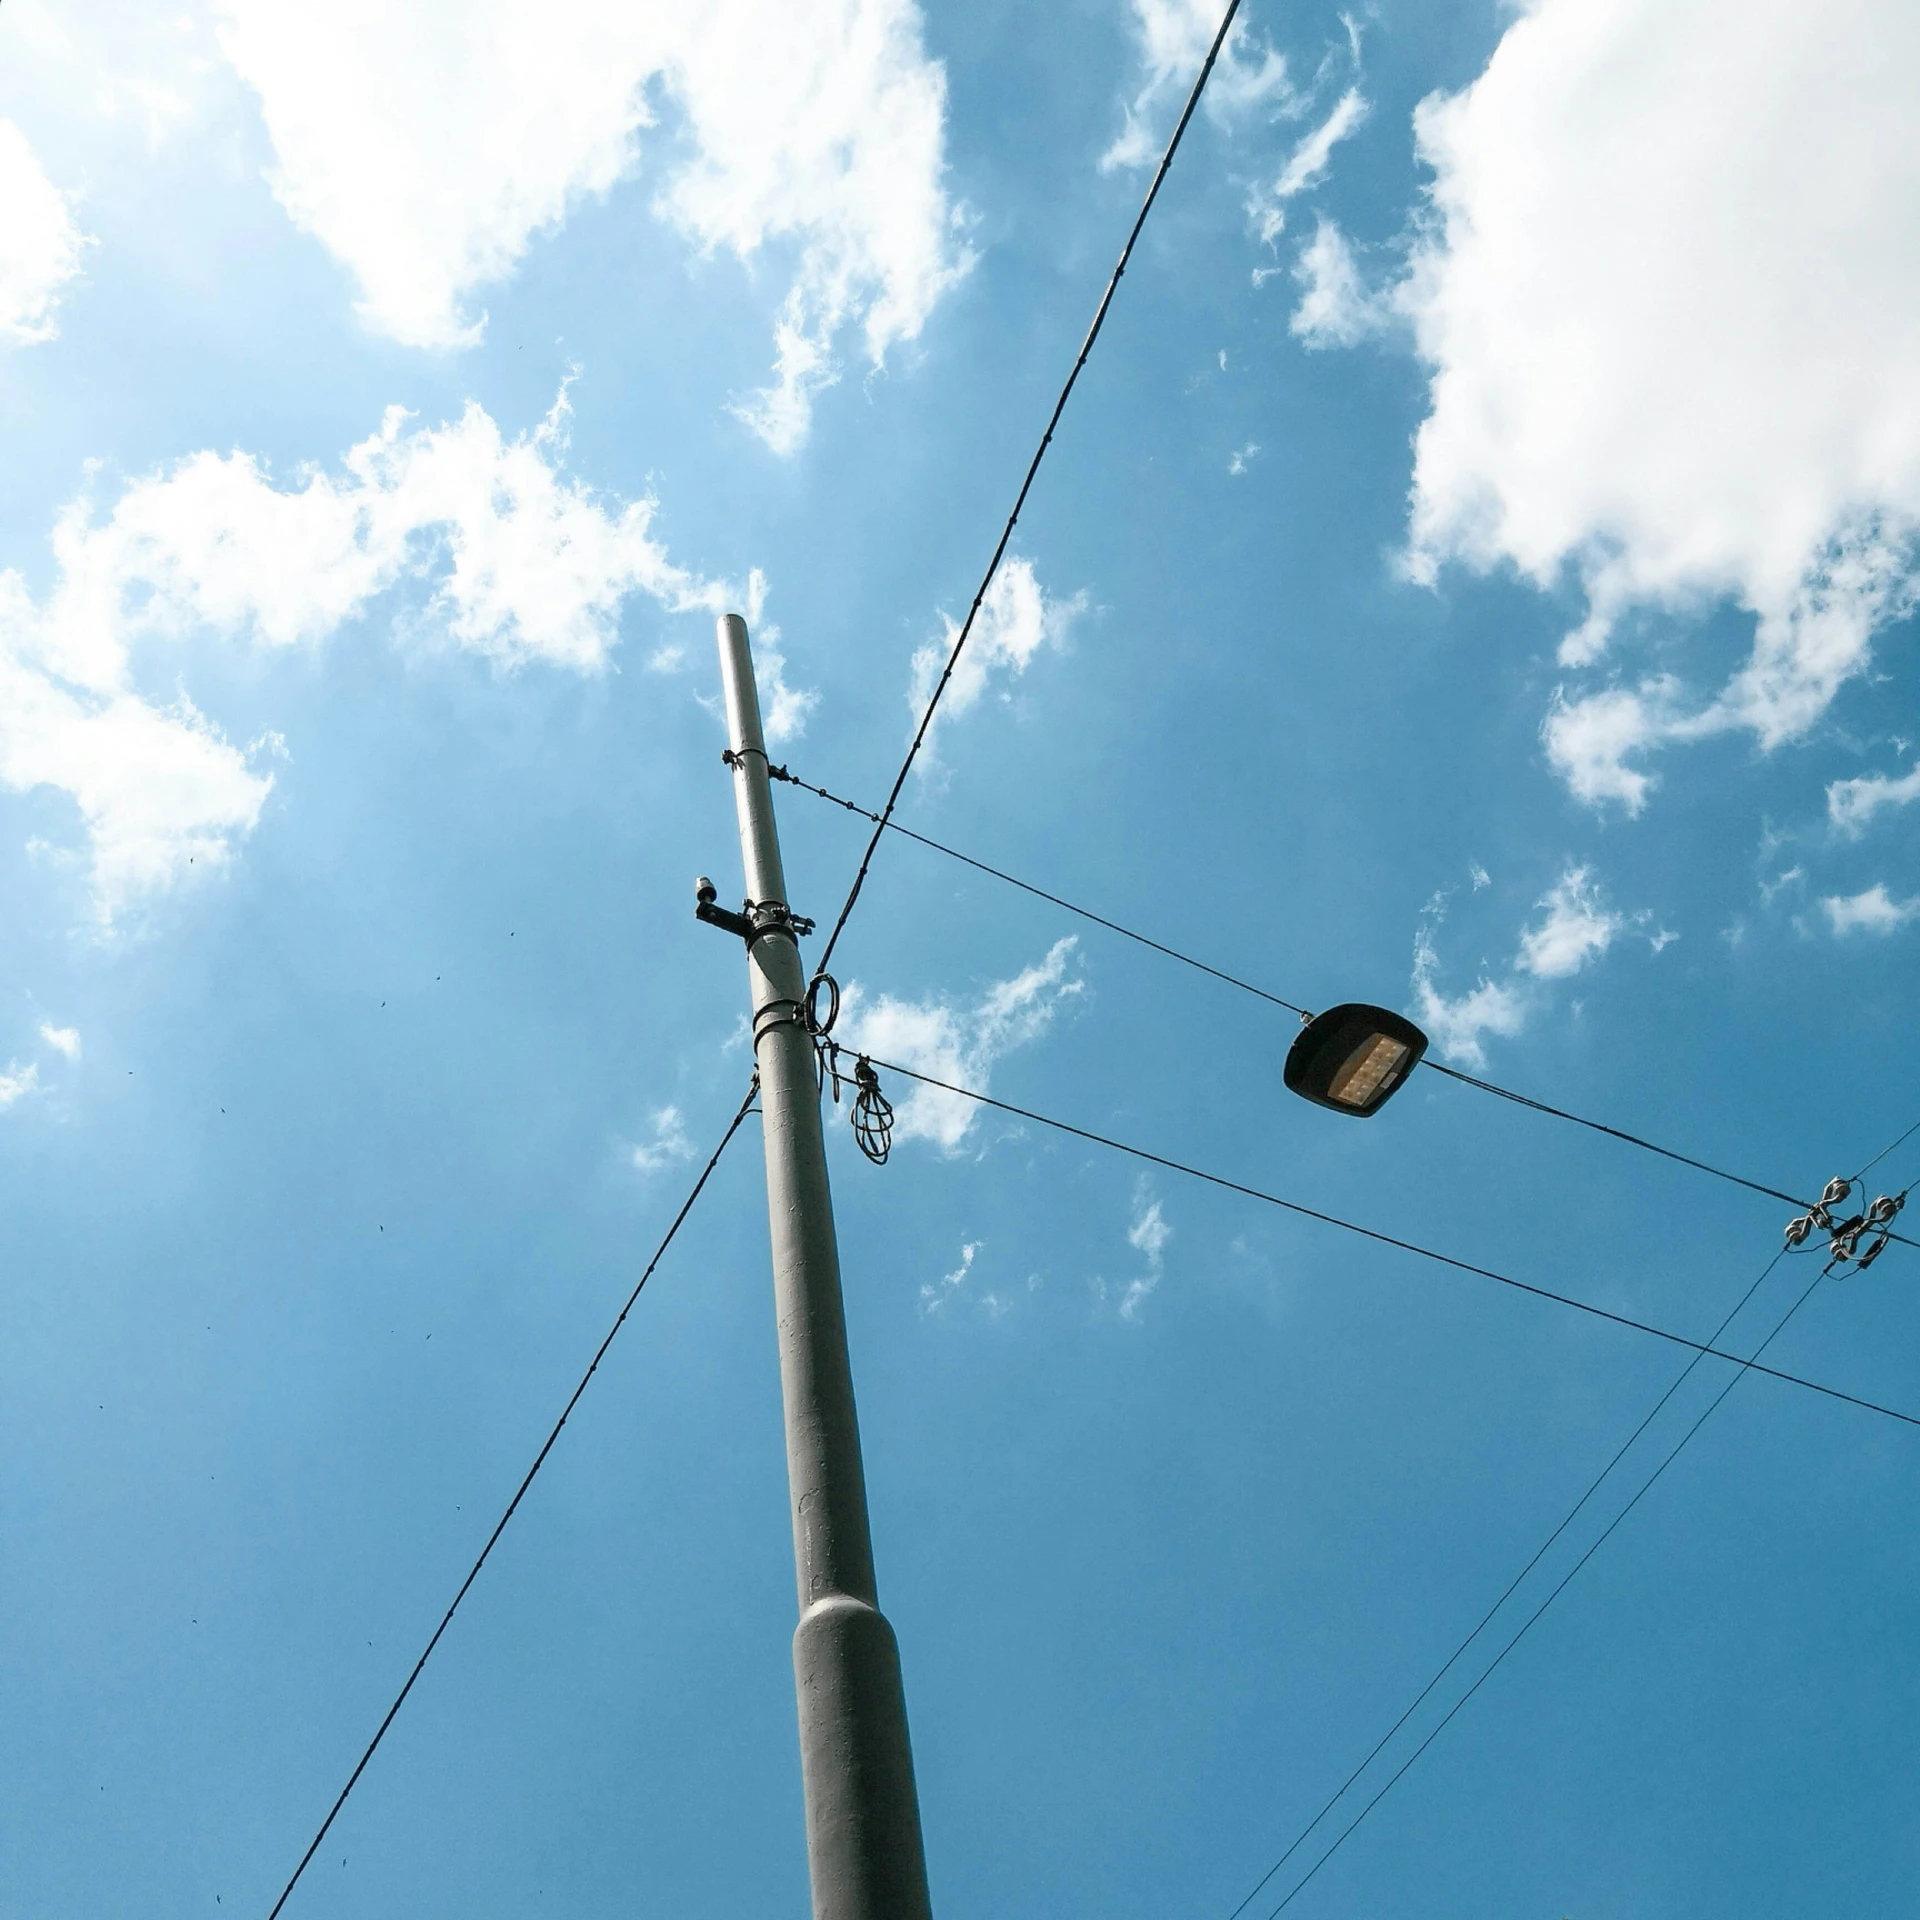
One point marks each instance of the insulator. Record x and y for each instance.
(1837, 1190)
(1798, 1229)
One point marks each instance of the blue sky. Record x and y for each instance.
(1475, 574)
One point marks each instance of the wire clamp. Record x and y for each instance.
(735, 757)
(776, 1013)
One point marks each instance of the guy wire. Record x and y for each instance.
(500, 1527)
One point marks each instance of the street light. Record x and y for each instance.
(1353, 1058)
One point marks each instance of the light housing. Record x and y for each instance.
(1353, 1058)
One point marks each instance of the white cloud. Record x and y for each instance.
(1243, 457)
(956, 1043)
(1574, 927)
(1673, 318)
(669, 1144)
(1336, 308)
(523, 564)
(157, 787)
(1875, 911)
(63, 1040)
(1174, 36)
(1016, 619)
(1588, 740)
(784, 708)
(17, 1082)
(114, 61)
(1147, 1234)
(1577, 928)
(426, 146)
(40, 247)
(936, 1294)
(1457, 1026)
(1851, 804)
(1307, 166)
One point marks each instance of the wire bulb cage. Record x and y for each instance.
(872, 1113)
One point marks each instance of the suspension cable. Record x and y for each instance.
(1033, 468)
(883, 823)
(500, 1527)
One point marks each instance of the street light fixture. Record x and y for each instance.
(1353, 1058)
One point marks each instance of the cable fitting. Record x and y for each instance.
(754, 921)
(817, 1023)
(1874, 1225)
(735, 758)
(776, 1013)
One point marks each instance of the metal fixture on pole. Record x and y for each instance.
(864, 1851)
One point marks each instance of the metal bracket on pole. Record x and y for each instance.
(755, 918)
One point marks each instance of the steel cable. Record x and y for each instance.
(1486, 1619)
(540, 1460)
(1033, 468)
(1405, 1246)
(885, 824)
(1646, 1487)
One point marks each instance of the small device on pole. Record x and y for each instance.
(864, 1851)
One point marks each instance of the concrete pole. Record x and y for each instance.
(863, 1816)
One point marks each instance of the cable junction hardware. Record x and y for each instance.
(1844, 1236)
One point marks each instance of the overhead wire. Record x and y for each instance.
(883, 823)
(1617, 1133)
(1646, 1486)
(1039, 893)
(1701, 1347)
(1486, 1619)
(500, 1526)
(1884, 1151)
(1026, 485)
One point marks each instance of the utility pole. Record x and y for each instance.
(864, 1852)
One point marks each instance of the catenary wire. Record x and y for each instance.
(1486, 1619)
(1033, 468)
(539, 1460)
(1882, 1154)
(1039, 893)
(1745, 1367)
(1390, 1240)
(882, 823)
